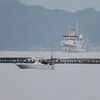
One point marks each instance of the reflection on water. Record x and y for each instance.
(66, 82)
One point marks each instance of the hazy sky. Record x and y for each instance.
(70, 5)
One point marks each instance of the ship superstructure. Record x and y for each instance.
(73, 41)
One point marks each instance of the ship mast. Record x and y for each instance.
(77, 28)
(69, 29)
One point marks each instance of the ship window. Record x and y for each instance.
(74, 43)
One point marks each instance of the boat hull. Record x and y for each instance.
(34, 66)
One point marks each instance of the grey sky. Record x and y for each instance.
(70, 5)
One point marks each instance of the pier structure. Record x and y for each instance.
(16, 60)
(46, 60)
(76, 61)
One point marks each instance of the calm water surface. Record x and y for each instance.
(66, 82)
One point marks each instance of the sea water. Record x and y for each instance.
(65, 82)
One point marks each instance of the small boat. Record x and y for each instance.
(39, 64)
(36, 65)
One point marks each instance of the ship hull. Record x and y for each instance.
(70, 48)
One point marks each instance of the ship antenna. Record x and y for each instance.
(77, 28)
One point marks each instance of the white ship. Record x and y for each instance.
(73, 41)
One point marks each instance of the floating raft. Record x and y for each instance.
(55, 60)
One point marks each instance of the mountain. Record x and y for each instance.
(35, 28)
